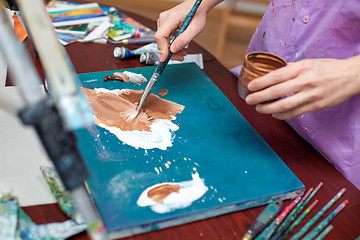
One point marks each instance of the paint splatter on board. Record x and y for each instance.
(152, 128)
(169, 196)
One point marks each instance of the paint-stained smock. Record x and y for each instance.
(308, 29)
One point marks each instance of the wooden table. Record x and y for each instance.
(308, 165)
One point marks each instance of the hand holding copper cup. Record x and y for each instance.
(257, 64)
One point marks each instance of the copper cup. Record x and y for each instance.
(257, 64)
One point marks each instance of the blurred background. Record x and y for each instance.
(228, 29)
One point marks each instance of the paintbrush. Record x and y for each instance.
(160, 68)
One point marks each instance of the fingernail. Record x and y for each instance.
(162, 58)
(258, 109)
(250, 86)
(175, 48)
(249, 100)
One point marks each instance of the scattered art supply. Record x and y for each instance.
(143, 33)
(126, 77)
(77, 14)
(63, 197)
(152, 129)
(136, 78)
(168, 196)
(97, 32)
(15, 223)
(246, 173)
(323, 234)
(195, 58)
(326, 221)
(300, 218)
(318, 215)
(125, 27)
(279, 234)
(120, 30)
(313, 193)
(122, 52)
(89, 22)
(270, 212)
(114, 78)
(304, 202)
(150, 58)
(269, 230)
(134, 41)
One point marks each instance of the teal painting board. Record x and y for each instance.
(214, 139)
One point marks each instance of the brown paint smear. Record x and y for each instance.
(113, 109)
(158, 194)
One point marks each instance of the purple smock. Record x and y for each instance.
(308, 29)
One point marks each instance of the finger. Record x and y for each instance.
(274, 77)
(162, 35)
(192, 31)
(273, 92)
(283, 105)
(179, 56)
(163, 45)
(306, 108)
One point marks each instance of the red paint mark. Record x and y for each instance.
(273, 5)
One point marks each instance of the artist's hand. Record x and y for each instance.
(309, 85)
(171, 20)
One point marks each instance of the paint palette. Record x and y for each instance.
(213, 140)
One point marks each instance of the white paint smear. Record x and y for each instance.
(160, 135)
(189, 192)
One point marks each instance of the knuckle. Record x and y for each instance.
(162, 15)
(305, 64)
(277, 92)
(157, 36)
(285, 106)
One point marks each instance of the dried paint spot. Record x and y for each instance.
(263, 36)
(254, 57)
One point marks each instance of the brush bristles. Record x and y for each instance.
(132, 116)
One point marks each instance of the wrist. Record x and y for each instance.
(206, 5)
(353, 64)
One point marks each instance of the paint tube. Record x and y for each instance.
(150, 58)
(122, 52)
